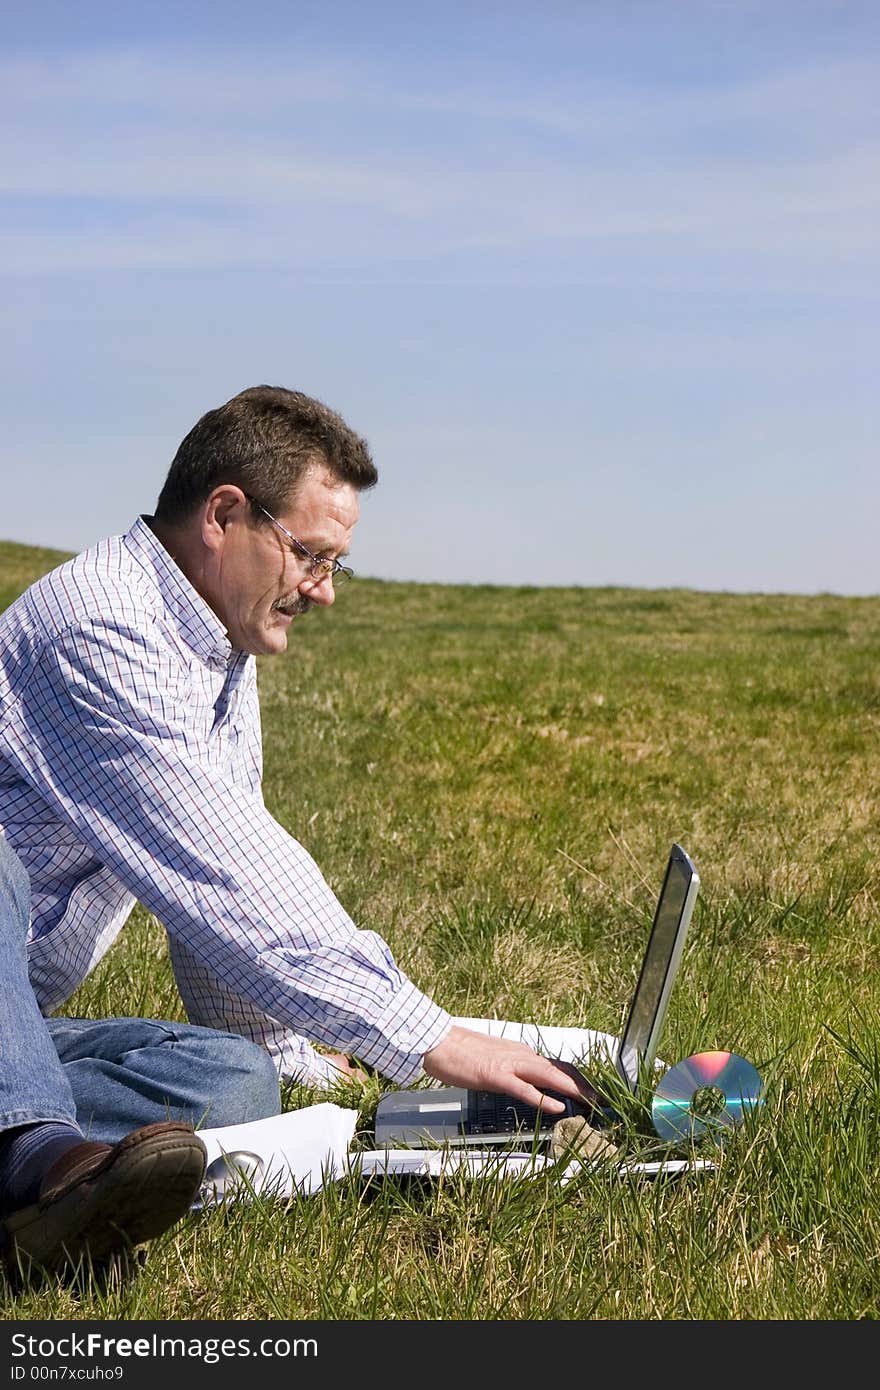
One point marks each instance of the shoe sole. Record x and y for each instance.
(140, 1192)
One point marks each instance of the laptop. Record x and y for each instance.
(457, 1116)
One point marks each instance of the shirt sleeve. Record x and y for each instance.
(212, 1004)
(110, 745)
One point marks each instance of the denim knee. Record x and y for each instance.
(127, 1072)
(248, 1087)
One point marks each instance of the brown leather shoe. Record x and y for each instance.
(97, 1200)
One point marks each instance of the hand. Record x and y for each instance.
(483, 1063)
(344, 1065)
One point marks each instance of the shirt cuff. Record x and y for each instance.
(411, 1025)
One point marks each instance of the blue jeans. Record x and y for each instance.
(113, 1075)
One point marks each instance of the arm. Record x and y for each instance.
(212, 1004)
(113, 746)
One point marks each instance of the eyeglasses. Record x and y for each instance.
(320, 566)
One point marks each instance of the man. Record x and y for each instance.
(130, 769)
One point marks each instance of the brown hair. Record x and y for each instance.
(264, 440)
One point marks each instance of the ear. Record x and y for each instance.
(225, 505)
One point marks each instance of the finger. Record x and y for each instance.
(531, 1095)
(551, 1106)
(562, 1083)
(344, 1065)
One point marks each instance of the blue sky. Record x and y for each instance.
(598, 282)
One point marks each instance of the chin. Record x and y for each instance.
(273, 646)
(266, 639)
(263, 643)
(276, 639)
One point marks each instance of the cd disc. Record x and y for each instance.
(706, 1094)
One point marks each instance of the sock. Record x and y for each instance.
(26, 1155)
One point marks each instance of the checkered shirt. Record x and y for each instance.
(130, 769)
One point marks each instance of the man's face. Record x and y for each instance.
(260, 584)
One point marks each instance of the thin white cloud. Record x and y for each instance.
(155, 81)
(215, 85)
(241, 205)
(317, 166)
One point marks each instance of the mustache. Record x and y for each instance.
(295, 607)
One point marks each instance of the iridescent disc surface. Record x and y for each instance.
(707, 1094)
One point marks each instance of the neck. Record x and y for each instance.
(173, 539)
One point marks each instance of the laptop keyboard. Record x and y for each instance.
(491, 1113)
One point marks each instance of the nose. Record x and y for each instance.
(318, 591)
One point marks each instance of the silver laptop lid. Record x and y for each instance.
(638, 1044)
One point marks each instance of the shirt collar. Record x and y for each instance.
(196, 622)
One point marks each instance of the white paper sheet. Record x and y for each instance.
(502, 1163)
(435, 1163)
(568, 1044)
(303, 1150)
(297, 1152)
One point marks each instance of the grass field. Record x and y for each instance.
(491, 778)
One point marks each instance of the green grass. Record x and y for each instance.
(491, 778)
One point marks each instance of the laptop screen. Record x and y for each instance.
(671, 919)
